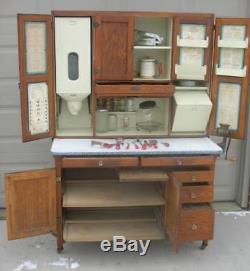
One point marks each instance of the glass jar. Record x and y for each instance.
(148, 116)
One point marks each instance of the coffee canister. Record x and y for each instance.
(147, 67)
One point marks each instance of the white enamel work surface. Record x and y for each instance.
(177, 146)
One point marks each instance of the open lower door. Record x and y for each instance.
(30, 203)
(35, 48)
(229, 91)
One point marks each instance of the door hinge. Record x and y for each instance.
(96, 24)
(59, 220)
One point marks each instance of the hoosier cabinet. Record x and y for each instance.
(129, 99)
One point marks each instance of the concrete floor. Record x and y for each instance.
(230, 250)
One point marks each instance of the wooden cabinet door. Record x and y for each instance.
(192, 47)
(229, 91)
(36, 76)
(30, 203)
(113, 47)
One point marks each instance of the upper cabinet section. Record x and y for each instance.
(152, 48)
(113, 47)
(192, 46)
(36, 76)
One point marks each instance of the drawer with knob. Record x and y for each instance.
(206, 161)
(99, 162)
(196, 194)
(197, 176)
(196, 223)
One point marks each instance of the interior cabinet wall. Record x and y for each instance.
(36, 154)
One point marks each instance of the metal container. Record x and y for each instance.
(147, 67)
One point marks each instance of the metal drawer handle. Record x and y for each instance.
(193, 195)
(100, 163)
(194, 227)
(193, 178)
(135, 88)
(179, 162)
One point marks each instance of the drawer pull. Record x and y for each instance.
(178, 162)
(193, 178)
(100, 163)
(194, 227)
(193, 195)
(135, 88)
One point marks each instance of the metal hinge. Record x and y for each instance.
(59, 220)
(19, 86)
(96, 24)
(58, 179)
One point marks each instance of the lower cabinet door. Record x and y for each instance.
(30, 203)
(196, 223)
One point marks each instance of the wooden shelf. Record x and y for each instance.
(131, 230)
(143, 175)
(111, 194)
(109, 215)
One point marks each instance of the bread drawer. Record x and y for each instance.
(134, 90)
(196, 224)
(193, 176)
(177, 161)
(104, 162)
(196, 194)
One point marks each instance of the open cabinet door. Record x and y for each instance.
(229, 90)
(30, 203)
(192, 47)
(113, 52)
(35, 49)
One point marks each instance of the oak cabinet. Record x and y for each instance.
(196, 79)
(93, 198)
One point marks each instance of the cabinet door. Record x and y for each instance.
(36, 76)
(229, 89)
(113, 47)
(30, 203)
(192, 45)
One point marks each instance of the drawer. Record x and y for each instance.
(134, 90)
(104, 162)
(196, 224)
(177, 161)
(193, 176)
(196, 194)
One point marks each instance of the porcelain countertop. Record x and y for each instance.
(177, 146)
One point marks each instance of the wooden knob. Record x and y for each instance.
(194, 227)
(100, 163)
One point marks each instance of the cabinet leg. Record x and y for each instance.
(59, 247)
(204, 244)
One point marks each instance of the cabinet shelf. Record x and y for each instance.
(140, 47)
(93, 232)
(110, 194)
(109, 215)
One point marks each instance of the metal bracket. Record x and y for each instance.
(96, 24)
